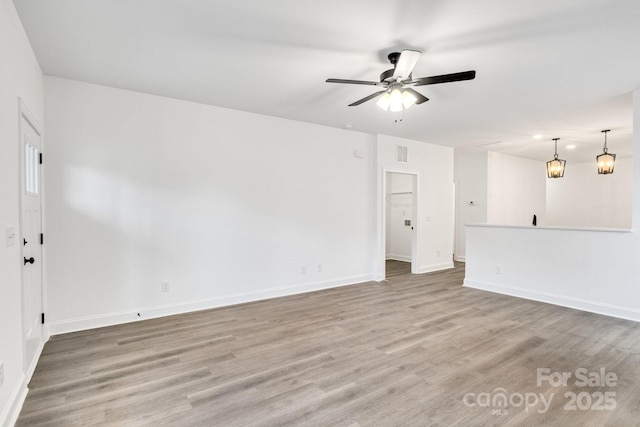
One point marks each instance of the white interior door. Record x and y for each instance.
(31, 229)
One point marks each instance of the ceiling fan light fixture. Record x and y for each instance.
(396, 99)
(605, 161)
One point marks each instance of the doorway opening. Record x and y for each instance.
(400, 228)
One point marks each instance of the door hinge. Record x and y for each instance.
(43, 318)
(40, 158)
(41, 238)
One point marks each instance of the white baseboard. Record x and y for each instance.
(564, 301)
(110, 319)
(435, 267)
(10, 413)
(461, 258)
(33, 366)
(396, 257)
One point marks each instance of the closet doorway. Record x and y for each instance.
(400, 222)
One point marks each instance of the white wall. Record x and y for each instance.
(516, 190)
(504, 189)
(20, 77)
(227, 206)
(582, 198)
(434, 214)
(591, 270)
(471, 177)
(399, 209)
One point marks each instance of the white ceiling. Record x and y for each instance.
(559, 68)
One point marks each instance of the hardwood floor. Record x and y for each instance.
(414, 350)
(397, 268)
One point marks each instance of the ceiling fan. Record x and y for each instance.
(396, 81)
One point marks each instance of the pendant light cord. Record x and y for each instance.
(605, 139)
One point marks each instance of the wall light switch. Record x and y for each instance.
(11, 235)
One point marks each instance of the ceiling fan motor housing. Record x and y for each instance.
(393, 58)
(388, 74)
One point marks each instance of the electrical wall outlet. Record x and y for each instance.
(164, 286)
(303, 269)
(319, 268)
(498, 269)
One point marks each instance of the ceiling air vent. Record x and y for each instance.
(402, 154)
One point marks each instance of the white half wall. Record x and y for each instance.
(226, 206)
(590, 270)
(582, 198)
(20, 77)
(433, 165)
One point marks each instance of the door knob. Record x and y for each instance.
(29, 261)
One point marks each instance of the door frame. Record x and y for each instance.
(382, 212)
(24, 113)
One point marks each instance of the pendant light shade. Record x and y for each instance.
(395, 100)
(605, 161)
(408, 99)
(384, 101)
(555, 167)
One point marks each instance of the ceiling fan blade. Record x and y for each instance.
(367, 98)
(404, 67)
(420, 97)
(445, 78)
(355, 82)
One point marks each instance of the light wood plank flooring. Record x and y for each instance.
(414, 350)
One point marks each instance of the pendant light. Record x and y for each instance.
(555, 167)
(605, 161)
